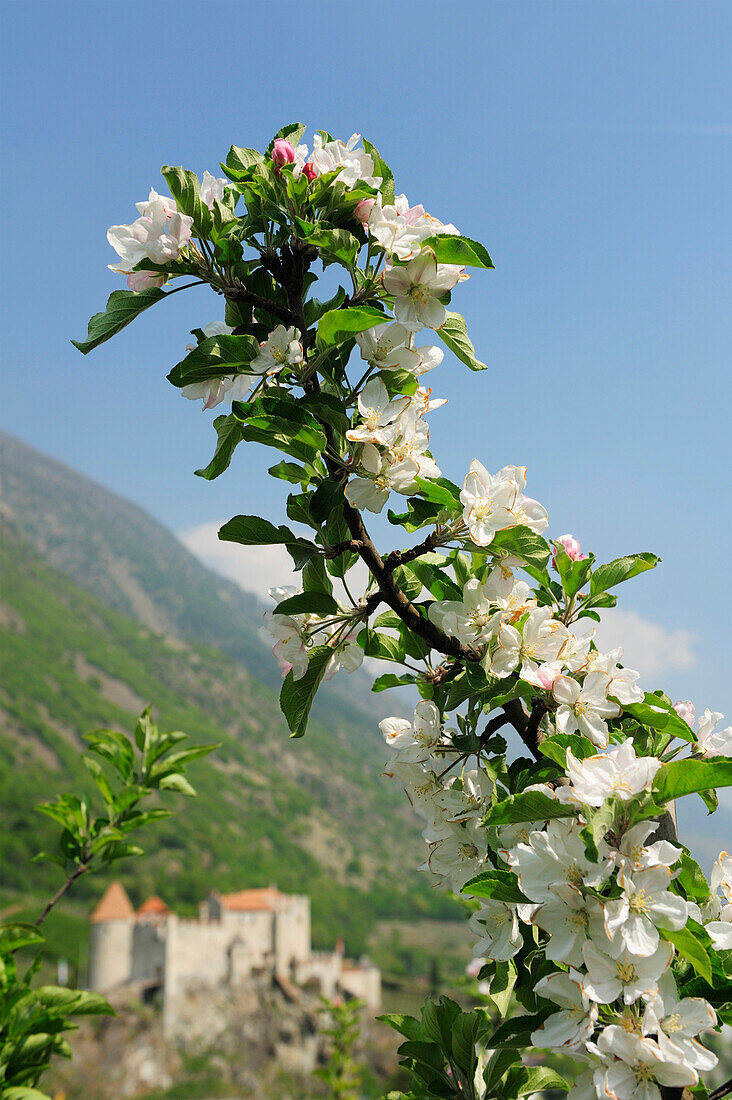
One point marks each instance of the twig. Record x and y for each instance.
(60, 893)
(723, 1090)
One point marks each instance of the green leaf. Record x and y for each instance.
(692, 879)
(292, 132)
(338, 243)
(314, 308)
(555, 747)
(441, 492)
(498, 885)
(177, 783)
(214, 356)
(405, 1025)
(391, 680)
(308, 603)
(340, 324)
(517, 1031)
(22, 1092)
(682, 777)
(659, 714)
(254, 531)
(240, 162)
(296, 696)
(573, 574)
(529, 806)
(524, 543)
(186, 190)
(381, 645)
(621, 569)
(454, 334)
(72, 1002)
(382, 169)
(459, 250)
(122, 308)
(523, 1080)
(688, 944)
(228, 430)
(599, 822)
(282, 422)
(18, 934)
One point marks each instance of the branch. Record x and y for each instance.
(395, 598)
(257, 301)
(60, 893)
(291, 272)
(526, 725)
(402, 557)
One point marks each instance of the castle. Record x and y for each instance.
(236, 937)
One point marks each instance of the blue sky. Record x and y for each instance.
(589, 145)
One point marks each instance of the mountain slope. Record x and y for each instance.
(269, 809)
(117, 551)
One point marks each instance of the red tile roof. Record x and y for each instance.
(114, 905)
(250, 900)
(154, 906)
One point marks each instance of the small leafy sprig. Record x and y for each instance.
(33, 1019)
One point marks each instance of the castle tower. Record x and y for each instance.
(110, 948)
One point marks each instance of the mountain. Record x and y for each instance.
(102, 611)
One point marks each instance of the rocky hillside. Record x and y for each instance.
(269, 809)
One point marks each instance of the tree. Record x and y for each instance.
(588, 914)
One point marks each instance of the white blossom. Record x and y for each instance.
(553, 856)
(386, 347)
(677, 1023)
(355, 164)
(710, 740)
(281, 348)
(496, 925)
(417, 288)
(585, 707)
(379, 414)
(540, 640)
(212, 189)
(623, 681)
(639, 1066)
(646, 904)
(573, 1026)
(158, 234)
(570, 919)
(612, 974)
(415, 740)
(618, 773)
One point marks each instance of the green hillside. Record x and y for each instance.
(269, 809)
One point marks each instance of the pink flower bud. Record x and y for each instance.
(685, 709)
(282, 153)
(308, 170)
(572, 549)
(362, 212)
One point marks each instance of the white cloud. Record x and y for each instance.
(253, 568)
(648, 647)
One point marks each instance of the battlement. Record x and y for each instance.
(236, 936)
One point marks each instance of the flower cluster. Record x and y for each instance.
(282, 348)
(393, 439)
(451, 805)
(600, 917)
(295, 635)
(159, 234)
(398, 228)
